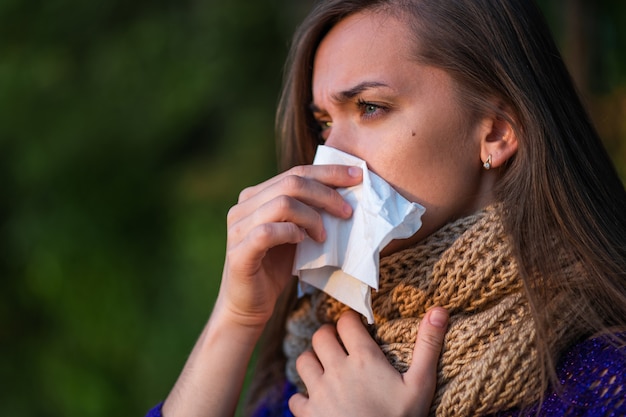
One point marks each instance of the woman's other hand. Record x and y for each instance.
(359, 381)
(263, 228)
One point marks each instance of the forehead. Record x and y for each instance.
(364, 46)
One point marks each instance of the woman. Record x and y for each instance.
(466, 108)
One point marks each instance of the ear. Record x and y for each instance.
(499, 140)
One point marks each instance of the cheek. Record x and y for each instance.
(430, 167)
(405, 161)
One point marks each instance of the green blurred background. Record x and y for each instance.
(127, 130)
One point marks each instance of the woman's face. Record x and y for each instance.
(374, 101)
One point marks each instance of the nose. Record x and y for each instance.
(340, 137)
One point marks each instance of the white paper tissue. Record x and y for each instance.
(345, 266)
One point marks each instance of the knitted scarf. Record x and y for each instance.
(489, 359)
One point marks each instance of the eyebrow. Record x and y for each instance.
(349, 94)
(356, 90)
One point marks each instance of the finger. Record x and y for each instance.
(306, 190)
(354, 335)
(297, 404)
(251, 251)
(330, 175)
(432, 329)
(280, 209)
(327, 347)
(309, 368)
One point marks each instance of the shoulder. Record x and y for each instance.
(593, 380)
(592, 376)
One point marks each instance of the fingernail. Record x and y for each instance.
(323, 235)
(438, 318)
(355, 172)
(347, 209)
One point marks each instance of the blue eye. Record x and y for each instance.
(370, 110)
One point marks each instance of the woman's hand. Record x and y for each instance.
(263, 228)
(359, 381)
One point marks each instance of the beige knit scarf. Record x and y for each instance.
(489, 360)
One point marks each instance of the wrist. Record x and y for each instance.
(245, 327)
(222, 353)
(229, 312)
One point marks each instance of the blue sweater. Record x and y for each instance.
(592, 374)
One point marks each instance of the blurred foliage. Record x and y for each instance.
(592, 37)
(127, 129)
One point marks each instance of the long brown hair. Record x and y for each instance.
(559, 189)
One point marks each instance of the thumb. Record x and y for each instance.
(423, 369)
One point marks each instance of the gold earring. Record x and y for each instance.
(487, 164)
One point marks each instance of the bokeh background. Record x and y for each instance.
(127, 130)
